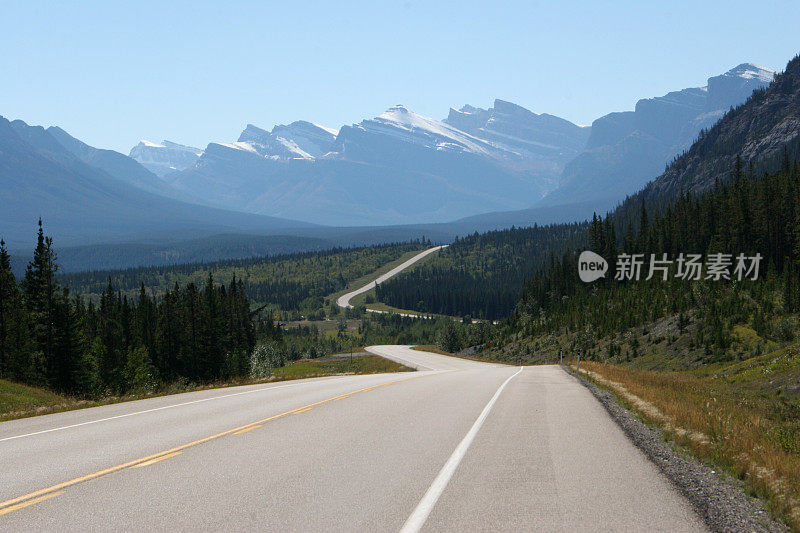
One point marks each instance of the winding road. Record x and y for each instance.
(344, 300)
(457, 445)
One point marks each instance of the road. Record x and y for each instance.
(455, 446)
(344, 300)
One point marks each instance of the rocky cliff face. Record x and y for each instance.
(537, 137)
(757, 131)
(627, 149)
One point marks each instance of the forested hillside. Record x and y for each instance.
(481, 276)
(296, 284)
(198, 333)
(746, 215)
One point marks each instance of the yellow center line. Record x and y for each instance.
(245, 430)
(302, 410)
(22, 505)
(8, 504)
(157, 459)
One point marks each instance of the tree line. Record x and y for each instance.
(50, 338)
(292, 285)
(481, 275)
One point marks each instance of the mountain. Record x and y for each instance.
(81, 203)
(627, 149)
(299, 139)
(118, 165)
(206, 249)
(763, 132)
(165, 158)
(397, 168)
(547, 142)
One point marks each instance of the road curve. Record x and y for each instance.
(344, 300)
(456, 446)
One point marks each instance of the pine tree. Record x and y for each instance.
(14, 348)
(40, 290)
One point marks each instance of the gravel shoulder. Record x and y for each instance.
(722, 505)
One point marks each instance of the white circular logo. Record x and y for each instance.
(591, 266)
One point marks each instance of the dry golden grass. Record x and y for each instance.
(721, 423)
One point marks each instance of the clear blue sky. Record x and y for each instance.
(111, 73)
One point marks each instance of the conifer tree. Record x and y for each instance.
(40, 291)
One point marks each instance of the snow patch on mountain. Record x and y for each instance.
(298, 140)
(162, 159)
(244, 146)
(401, 123)
(751, 71)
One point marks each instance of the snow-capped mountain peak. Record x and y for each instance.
(400, 122)
(752, 71)
(298, 140)
(161, 159)
(511, 127)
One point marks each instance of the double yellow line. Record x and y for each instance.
(31, 498)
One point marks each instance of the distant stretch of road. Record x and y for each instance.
(344, 300)
(456, 446)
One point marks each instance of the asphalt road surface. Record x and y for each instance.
(344, 300)
(456, 446)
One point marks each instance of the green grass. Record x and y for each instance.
(17, 401)
(362, 364)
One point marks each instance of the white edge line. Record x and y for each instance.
(262, 389)
(425, 506)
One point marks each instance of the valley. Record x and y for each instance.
(571, 304)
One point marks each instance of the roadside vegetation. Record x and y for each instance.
(359, 364)
(62, 350)
(18, 400)
(730, 415)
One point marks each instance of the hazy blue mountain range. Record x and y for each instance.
(84, 203)
(627, 149)
(547, 142)
(398, 168)
(118, 165)
(397, 176)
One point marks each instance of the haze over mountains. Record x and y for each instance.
(763, 134)
(486, 168)
(81, 202)
(165, 158)
(399, 167)
(404, 168)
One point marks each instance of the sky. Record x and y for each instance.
(111, 73)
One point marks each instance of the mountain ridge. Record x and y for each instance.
(627, 149)
(83, 203)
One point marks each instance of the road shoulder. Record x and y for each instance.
(721, 504)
